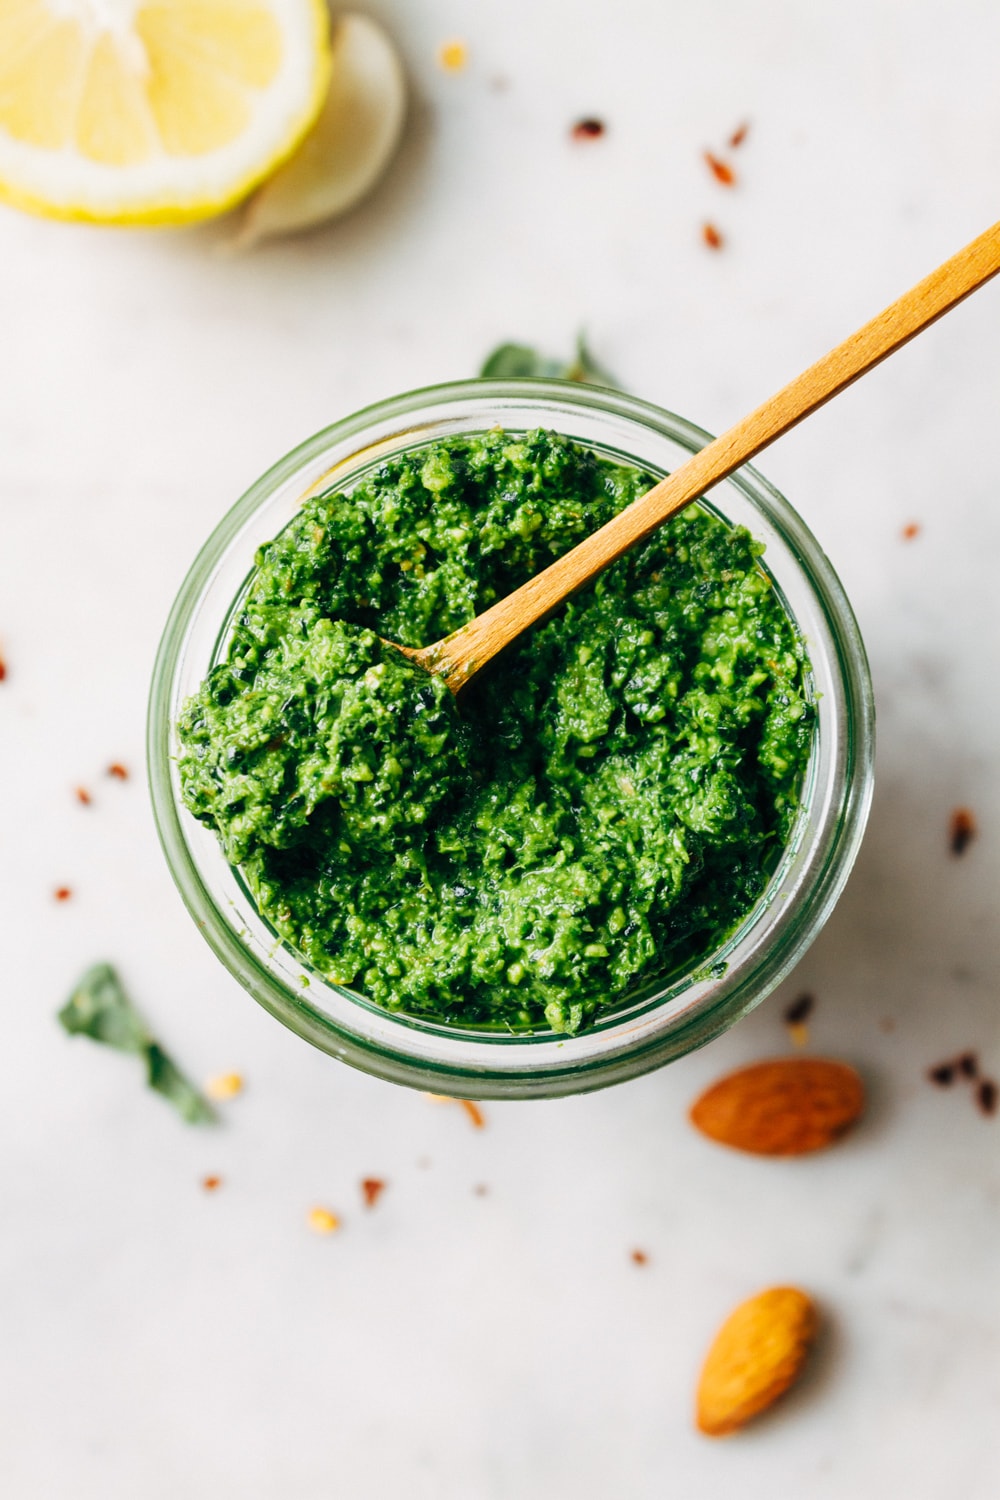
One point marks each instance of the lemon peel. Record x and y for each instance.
(350, 145)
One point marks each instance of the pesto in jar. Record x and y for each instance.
(601, 807)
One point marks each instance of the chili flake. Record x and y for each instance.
(720, 170)
(739, 135)
(118, 771)
(83, 796)
(588, 129)
(453, 56)
(211, 1183)
(372, 1189)
(713, 239)
(473, 1111)
(910, 530)
(962, 831)
(3, 669)
(987, 1096)
(640, 1258)
(800, 1010)
(322, 1221)
(62, 893)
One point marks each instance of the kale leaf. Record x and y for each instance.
(99, 1008)
(518, 360)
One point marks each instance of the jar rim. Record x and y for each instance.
(633, 1038)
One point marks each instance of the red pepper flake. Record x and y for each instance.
(987, 1096)
(968, 1065)
(211, 1183)
(720, 170)
(474, 1113)
(962, 830)
(62, 893)
(639, 1258)
(589, 129)
(800, 1010)
(3, 669)
(943, 1074)
(713, 239)
(910, 530)
(118, 771)
(371, 1190)
(739, 135)
(83, 796)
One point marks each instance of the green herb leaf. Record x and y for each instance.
(518, 360)
(165, 1077)
(99, 1008)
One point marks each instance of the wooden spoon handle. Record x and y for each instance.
(462, 654)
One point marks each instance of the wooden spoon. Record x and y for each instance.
(459, 656)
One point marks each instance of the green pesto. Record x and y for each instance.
(601, 807)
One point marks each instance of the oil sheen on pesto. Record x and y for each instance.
(599, 809)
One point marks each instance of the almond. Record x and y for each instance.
(757, 1354)
(785, 1107)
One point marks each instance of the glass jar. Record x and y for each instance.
(666, 1020)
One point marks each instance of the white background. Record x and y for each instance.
(157, 1340)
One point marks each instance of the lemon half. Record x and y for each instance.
(153, 111)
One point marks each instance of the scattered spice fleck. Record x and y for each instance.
(3, 669)
(713, 239)
(943, 1074)
(453, 56)
(798, 1034)
(481, 1190)
(372, 1189)
(887, 1024)
(968, 1065)
(640, 1258)
(62, 893)
(910, 530)
(720, 170)
(83, 796)
(799, 1010)
(224, 1086)
(474, 1113)
(962, 830)
(118, 771)
(322, 1221)
(589, 129)
(211, 1183)
(986, 1096)
(739, 135)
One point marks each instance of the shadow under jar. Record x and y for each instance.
(665, 1018)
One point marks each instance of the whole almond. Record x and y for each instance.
(757, 1354)
(785, 1107)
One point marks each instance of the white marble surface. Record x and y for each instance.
(158, 1340)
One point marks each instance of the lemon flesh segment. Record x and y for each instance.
(39, 78)
(156, 113)
(113, 124)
